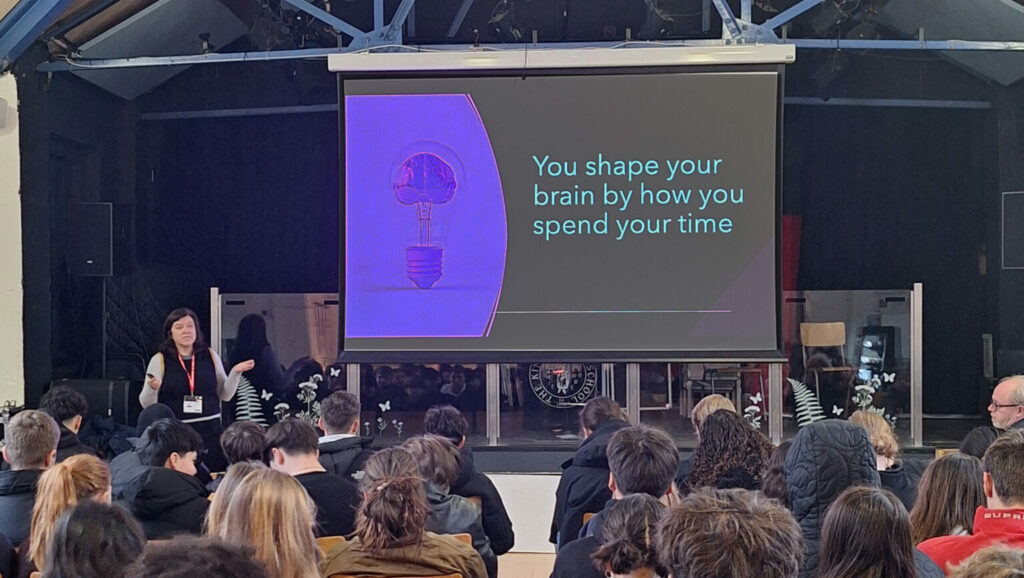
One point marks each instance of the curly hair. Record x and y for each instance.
(730, 454)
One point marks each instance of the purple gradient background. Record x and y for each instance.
(380, 301)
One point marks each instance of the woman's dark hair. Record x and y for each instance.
(438, 459)
(866, 534)
(950, 491)
(93, 540)
(599, 410)
(394, 509)
(629, 536)
(199, 348)
(730, 454)
(189, 556)
(250, 339)
(773, 484)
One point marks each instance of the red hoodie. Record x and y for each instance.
(990, 527)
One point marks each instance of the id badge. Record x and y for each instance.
(193, 404)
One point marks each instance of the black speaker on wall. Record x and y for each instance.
(99, 239)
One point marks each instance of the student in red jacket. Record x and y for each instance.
(1002, 519)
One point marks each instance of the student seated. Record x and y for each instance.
(30, 446)
(206, 557)
(735, 533)
(291, 447)
(270, 512)
(448, 422)
(438, 461)
(583, 487)
(643, 460)
(229, 482)
(68, 408)
(628, 552)
(240, 441)
(79, 478)
(165, 496)
(951, 491)
(866, 533)
(126, 466)
(342, 451)
(93, 540)
(730, 454)
(390, 539)
(887, 450)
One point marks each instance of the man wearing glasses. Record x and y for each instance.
(1007, 406)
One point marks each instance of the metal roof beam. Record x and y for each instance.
(23, 25)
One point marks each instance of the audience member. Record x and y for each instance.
(448, 422)
(707, 405)
(438, 461)
(390, 537)
(773, 484)
(93, 540)
(728, 533)
(342, 451)
(643, 460)
(866, 534)
(890, 467)
(205, 557)
(68, 408)
(291, 447)
(241, 441)
(730, 454)
(992, 562)
(1002, 518)
(229, 482)
(80, 477)
(125, 467)
(628, 552)
(30, 446)
(951, 492)
(583, 487)
(165, 496)
(978, 439)
(271, 512)
(8, 557)
(1007, 404)
(826, 458)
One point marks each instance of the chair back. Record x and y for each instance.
(456, 575)
(464, 538)
(831, 334)
(327, 543)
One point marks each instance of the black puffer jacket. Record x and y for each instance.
(584, 484)
(826, 458)
(167, 502)
(17, 497)
(346, 457)
(471, 483)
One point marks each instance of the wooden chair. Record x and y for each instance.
(587, 516)
(824, 336)
(464, 538)
(327, 543)
(456, 575)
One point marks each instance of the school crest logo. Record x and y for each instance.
(563, 385)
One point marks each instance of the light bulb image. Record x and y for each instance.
(424, 179)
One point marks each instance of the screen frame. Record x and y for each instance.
(527, 356)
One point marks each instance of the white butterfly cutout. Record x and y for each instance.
(386, 406)
(266, 395)
(889, 377)
(335, 372)
(756, 398)
(837, 410)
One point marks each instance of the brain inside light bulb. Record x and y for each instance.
(424, 177)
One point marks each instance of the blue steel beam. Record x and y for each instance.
(23, 25)
(394, 31)
(790, 13)
(460, 16)
(325, 17)
(378, 14)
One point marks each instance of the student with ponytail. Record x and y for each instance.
(78, 478)
(628, 551)
(390, 537)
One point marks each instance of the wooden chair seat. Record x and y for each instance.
(456, 575)
(327, 543)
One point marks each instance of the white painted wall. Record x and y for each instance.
(530, 502)
(12, 376)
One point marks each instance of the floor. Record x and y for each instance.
(523, 565)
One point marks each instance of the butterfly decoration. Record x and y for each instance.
(385, 407)
(889, 377)
(335, 372)
(266, 395)
(756, 398)
(837, 410)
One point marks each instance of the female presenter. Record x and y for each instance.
(189, 377)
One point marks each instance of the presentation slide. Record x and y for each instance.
(610, 213)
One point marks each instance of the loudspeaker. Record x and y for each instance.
(99, 239)
(118, 399)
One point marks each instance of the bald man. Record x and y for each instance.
(1007, 405)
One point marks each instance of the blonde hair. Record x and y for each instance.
(61, 487)
(883, 440)
(708, 405)
(219, 504)
(271, 512)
